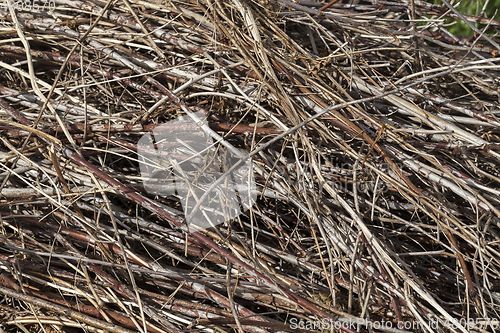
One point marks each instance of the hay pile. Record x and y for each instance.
(373, 135)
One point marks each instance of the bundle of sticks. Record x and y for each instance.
(248, 166)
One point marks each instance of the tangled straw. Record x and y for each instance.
(374, 143)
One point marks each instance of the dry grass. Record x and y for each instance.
(374, 143)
